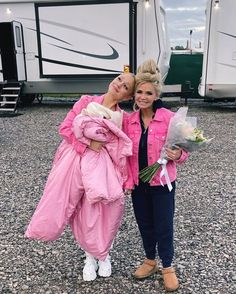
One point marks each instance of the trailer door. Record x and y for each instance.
(1, 71)
(19, 50)
(12, 53)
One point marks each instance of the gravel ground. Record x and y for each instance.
(204, 220)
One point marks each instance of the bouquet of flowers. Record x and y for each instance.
(183, 133)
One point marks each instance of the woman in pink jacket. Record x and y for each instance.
(64, 200)
(153, 203)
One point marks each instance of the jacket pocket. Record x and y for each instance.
(134, 137)
(160, 140)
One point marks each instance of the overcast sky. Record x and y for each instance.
(183, 16)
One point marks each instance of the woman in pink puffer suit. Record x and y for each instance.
(64, 200)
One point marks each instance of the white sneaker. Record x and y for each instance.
(90, 268)
(104, 267)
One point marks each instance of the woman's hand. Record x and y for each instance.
(96, 145)
(173, 154)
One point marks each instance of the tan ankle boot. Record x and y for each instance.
(170, 280)
(146, 269)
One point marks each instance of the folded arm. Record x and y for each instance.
(65, 128)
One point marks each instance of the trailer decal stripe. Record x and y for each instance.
(50, 36)
(76, 65)
(229, 65)
(114, 54)
(73, 28)
(233, 36)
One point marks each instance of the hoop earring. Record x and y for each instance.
(135, 107)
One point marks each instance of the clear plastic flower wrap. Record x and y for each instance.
(182, 132)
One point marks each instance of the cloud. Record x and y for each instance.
(183, 16)
(200, 29)
(183, 9)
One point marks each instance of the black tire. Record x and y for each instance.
(27, 99)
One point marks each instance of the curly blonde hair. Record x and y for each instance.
(148, 72)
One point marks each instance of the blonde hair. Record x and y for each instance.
(148, 72)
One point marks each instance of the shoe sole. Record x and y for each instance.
(104, 275)
(146, 276)
(89, 280)
(171, 290)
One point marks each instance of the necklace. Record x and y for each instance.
(144, 128)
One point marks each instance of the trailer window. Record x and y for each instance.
(18, 36)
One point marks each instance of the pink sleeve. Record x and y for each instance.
(184, 156)
(129, 183)
(125, 121)
(65, 128)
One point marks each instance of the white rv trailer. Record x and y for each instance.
(78, 46)
(219, 60)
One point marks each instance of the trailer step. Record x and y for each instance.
(9, 96)
(5, 109)
(11, 88)
(4, 102)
